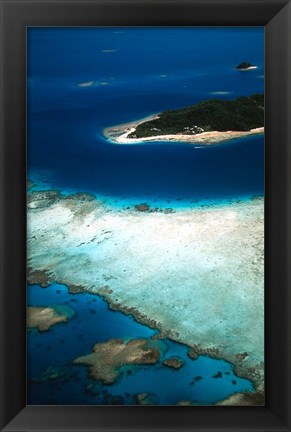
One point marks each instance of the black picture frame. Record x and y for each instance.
(16, 15)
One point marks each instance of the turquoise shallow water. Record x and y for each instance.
(194, 177)
(94, 322)
(175, 175)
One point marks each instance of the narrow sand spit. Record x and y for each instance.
(196, 275)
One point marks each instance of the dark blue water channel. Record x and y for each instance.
(53, 379)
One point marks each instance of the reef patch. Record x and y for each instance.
(173, 362)
(42, 317)
(107, 358)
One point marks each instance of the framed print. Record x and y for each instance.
(136, 221)
(145, 218)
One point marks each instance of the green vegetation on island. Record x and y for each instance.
(244, 66)
(241, 114)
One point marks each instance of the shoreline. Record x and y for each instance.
(246, 69)
(118, 134)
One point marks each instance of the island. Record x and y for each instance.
(244, 66)
(207, 122)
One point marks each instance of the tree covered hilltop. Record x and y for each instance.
(241, 114)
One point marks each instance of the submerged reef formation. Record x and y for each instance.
(52, 374)
(207, 122)
(39, 277)
(146, 208)
(42, 318)
(107, 358)
(146, 399)
(244, 399)
(198, 271)
(173, 362)
(184, 403)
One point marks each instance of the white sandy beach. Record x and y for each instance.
(248, 68)
(120, 134)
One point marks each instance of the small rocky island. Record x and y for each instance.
(245, 66)
(209, 121)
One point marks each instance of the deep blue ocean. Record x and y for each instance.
(127, 74)
(137, 72)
